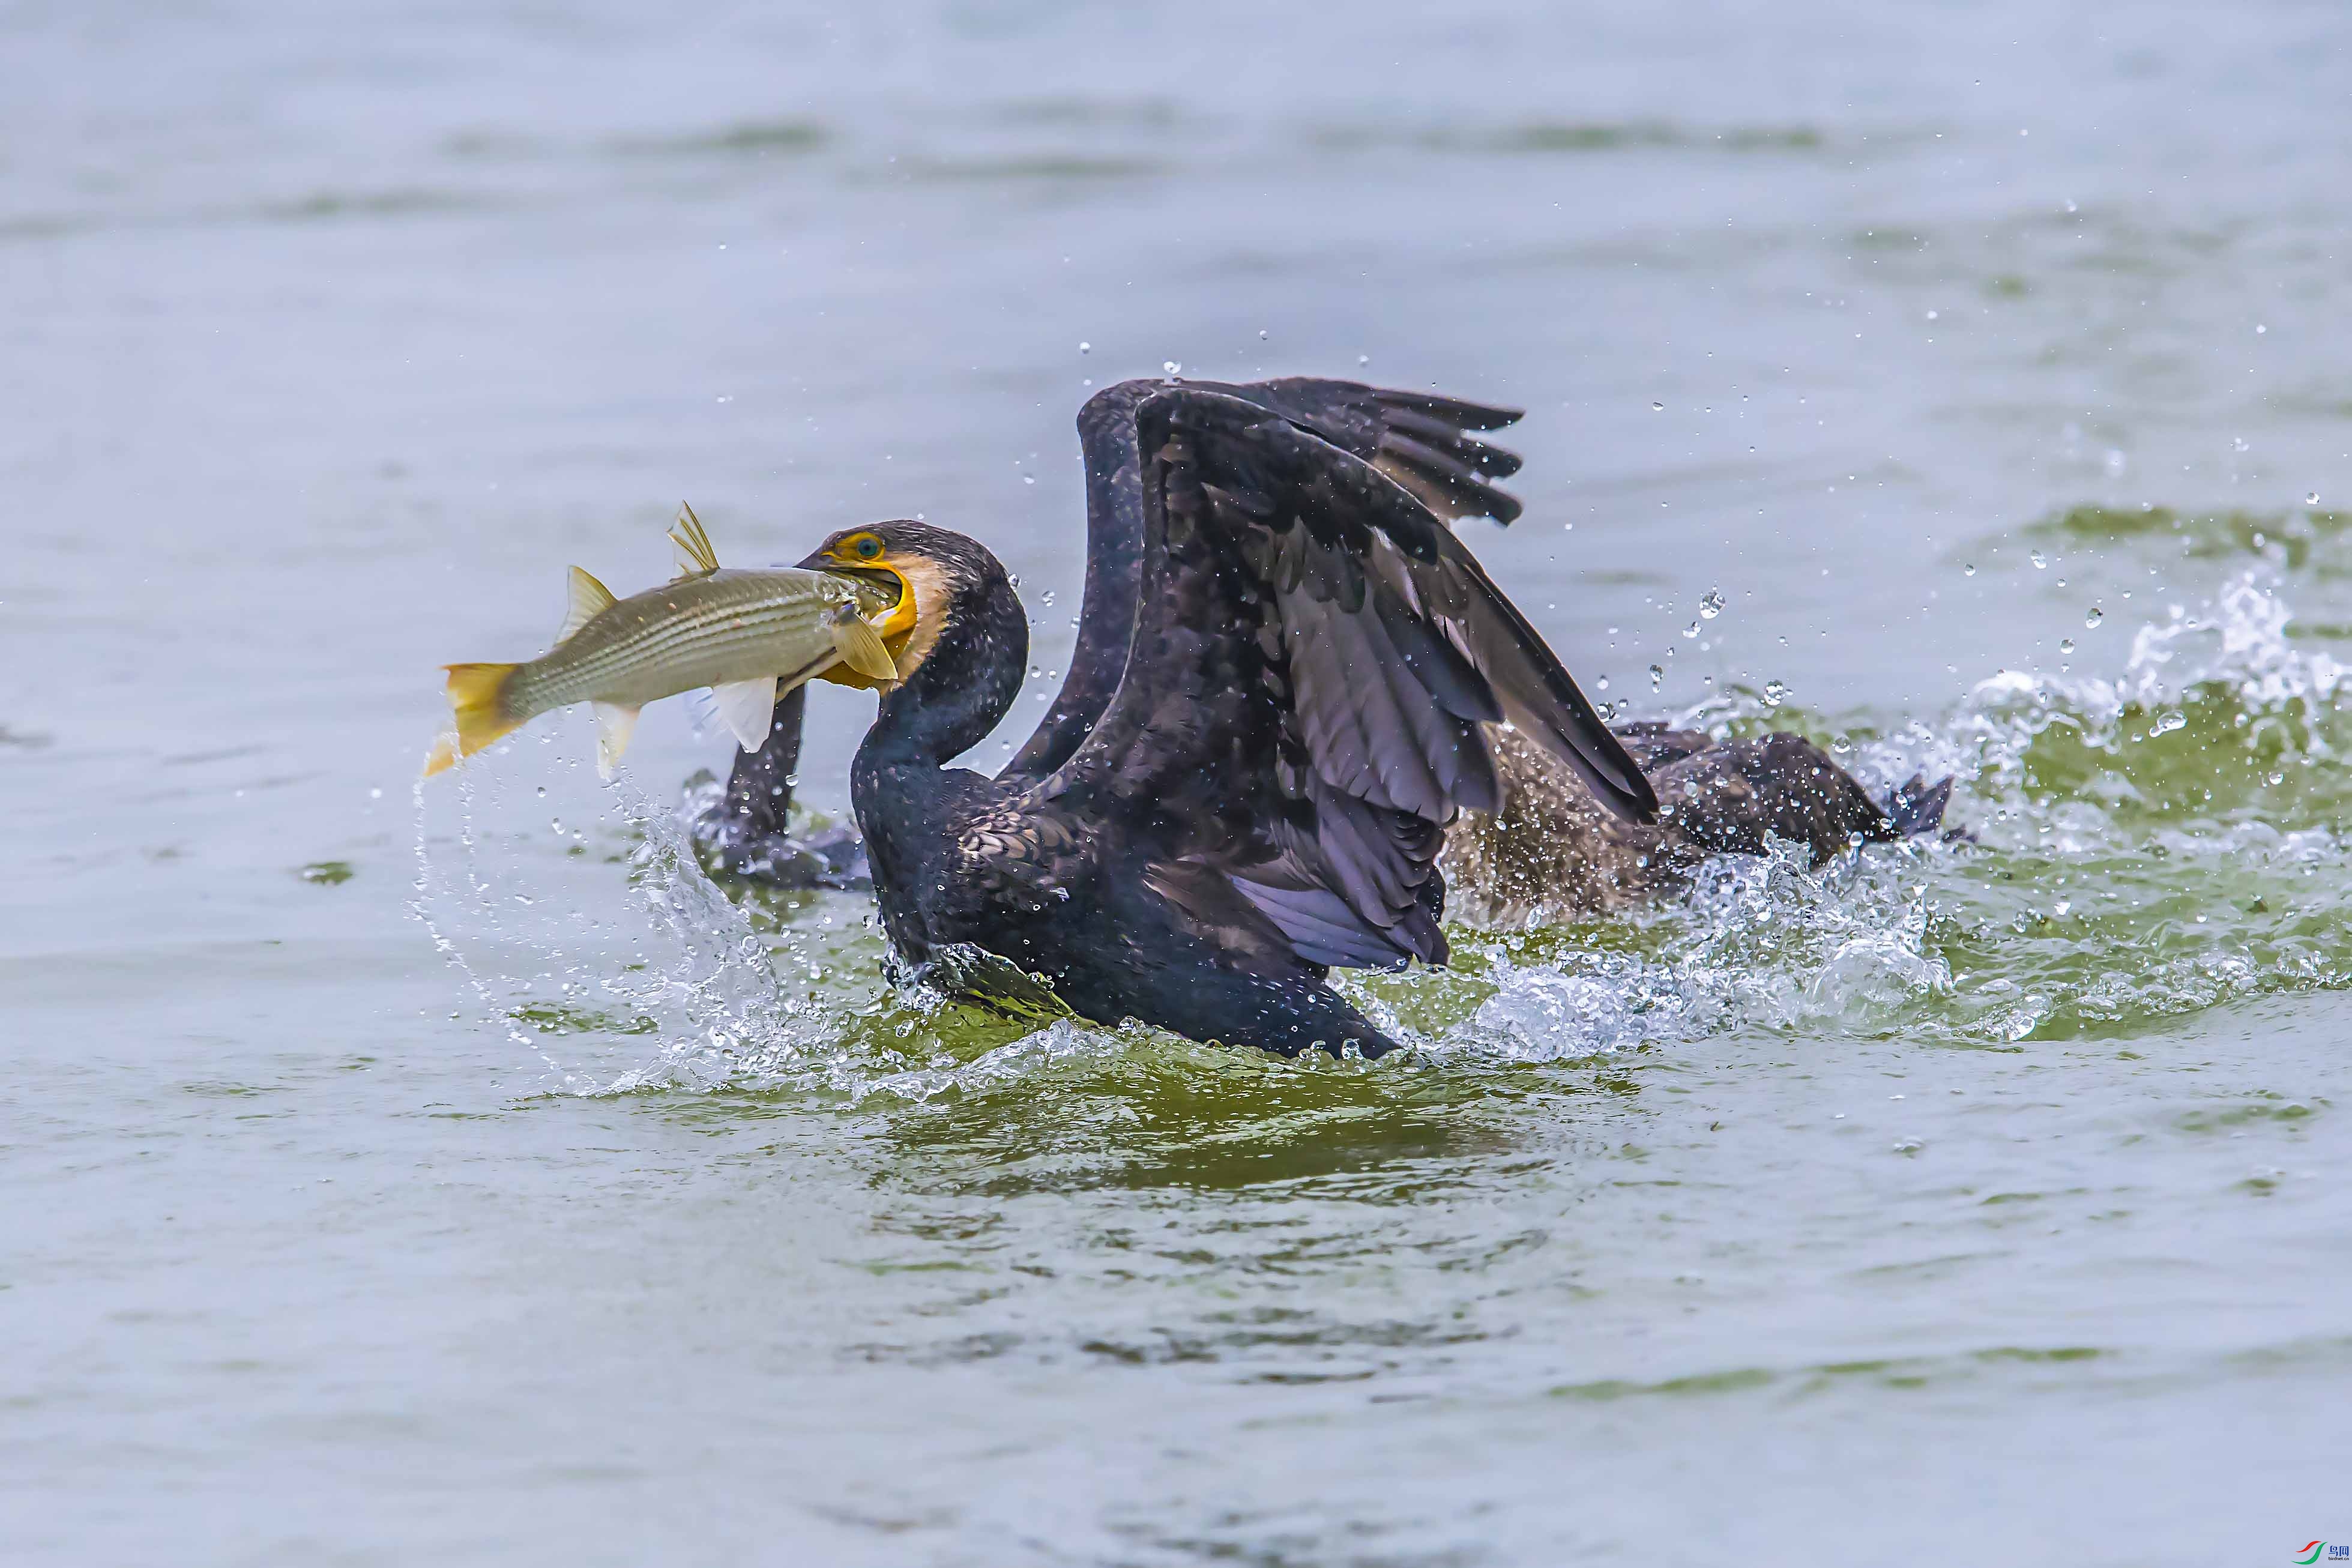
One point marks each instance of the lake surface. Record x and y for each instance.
(460, 1177)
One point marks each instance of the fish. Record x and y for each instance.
(748, 634)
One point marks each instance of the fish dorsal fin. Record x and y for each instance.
(587, 599)
(860, 645)
(614, 725)
(695, 556)
(748, 708)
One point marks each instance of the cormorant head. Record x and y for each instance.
(932, 570)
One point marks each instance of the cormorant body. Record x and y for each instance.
(1315, 669)
(1285, 700)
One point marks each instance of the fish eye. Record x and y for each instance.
(867, 547)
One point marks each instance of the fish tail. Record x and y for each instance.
(478, 700)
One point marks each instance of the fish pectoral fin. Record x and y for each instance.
(587, 598)
(695, 556)
(748, 708)
(860, 645)
(614, 725)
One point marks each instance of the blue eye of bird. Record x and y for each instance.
(868, 548)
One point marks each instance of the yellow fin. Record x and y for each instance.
(587, 599)
(477, 702)
(860, 645)
(614, 725)
(695, 556)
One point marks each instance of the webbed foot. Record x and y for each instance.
(811, 852)
(749, 828)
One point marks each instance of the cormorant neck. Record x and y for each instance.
(963, 686)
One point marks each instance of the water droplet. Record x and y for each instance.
(542, 792)
(1084, 348)
(1602, 684)
(2259, 329)
(1691, 630)
(1363, 359)
(1028, 478)
(1261, 335)
(2311, 499)
(1656, 675)
(2096, 616)
(2166, 723)
(1775, 693)
(1933, 314)
(2038, 561)
(1047, 597)
(1170, 369)
(1969, 569)
(1657, 408)
(2065, 644)
(1712, 605)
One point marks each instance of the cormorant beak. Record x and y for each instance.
(895, 627)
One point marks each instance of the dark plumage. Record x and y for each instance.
(1315, 668)
(1281, 707)
(1551, 853)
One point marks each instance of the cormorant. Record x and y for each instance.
(1315, 668)
(1551, 848)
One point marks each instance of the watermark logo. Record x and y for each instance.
(2309, 1552)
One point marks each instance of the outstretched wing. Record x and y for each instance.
(1315, 657)
(1425, 442)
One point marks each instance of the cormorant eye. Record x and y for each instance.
(867, 548)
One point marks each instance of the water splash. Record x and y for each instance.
(679, 970)
(2152, 842)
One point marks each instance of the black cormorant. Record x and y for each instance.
(1314, 669)
(1551, 848)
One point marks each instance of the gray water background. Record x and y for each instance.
(332, 334)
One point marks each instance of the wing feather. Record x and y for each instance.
(1426, 442)
(1313, 659)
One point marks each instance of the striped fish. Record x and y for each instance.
(746, 635)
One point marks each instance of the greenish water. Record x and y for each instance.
(458, 1176)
